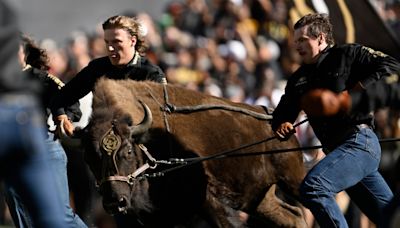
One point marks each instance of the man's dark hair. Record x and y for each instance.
(316, 24)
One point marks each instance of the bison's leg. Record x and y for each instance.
(278, 212)
(222, 215)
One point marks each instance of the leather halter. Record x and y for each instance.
(110, 144)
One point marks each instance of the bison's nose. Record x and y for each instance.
(115, 205)
(122, 205)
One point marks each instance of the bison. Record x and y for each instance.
(137, 127)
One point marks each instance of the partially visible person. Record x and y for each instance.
(331, 87)
(24, 161)
(58, 64)
(34, 60)
(125, 44)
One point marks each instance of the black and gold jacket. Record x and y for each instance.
(51, 86)
(139, 69)
(339, 68)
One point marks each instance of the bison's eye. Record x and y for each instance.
(127, 152)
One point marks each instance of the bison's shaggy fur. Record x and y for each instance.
(216, 190)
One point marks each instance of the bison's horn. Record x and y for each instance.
(145, 125)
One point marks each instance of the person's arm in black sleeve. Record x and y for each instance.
(371, 65)
(70, 94)
(375, 71)
(74, 90)
(74, 112)
(287, 110)
(52, 87)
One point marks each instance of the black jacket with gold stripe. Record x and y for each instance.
(340, 68)
(51, 86)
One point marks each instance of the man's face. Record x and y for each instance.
(308, 47)
(120, 46)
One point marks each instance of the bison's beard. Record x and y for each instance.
(140, 200)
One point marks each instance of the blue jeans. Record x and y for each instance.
(352, 166)
(24, 159)
(58, 163)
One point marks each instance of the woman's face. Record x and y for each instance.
(120, 46)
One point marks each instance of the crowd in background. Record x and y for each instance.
(237, 49)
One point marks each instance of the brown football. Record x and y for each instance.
(320, 102)
(345, 101)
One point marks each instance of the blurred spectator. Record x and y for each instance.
(224, 20)
(290, 62)
(235, 93)
(276, 27)
(211, 88)
(194, 17)
(24, 160)
(57, 58)
(393, 18)
(268, 93)
(77, 54)
(389, 11)
(150, 31)
(97, 47)
(184, 73)
(34, 61)
(260, 10)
